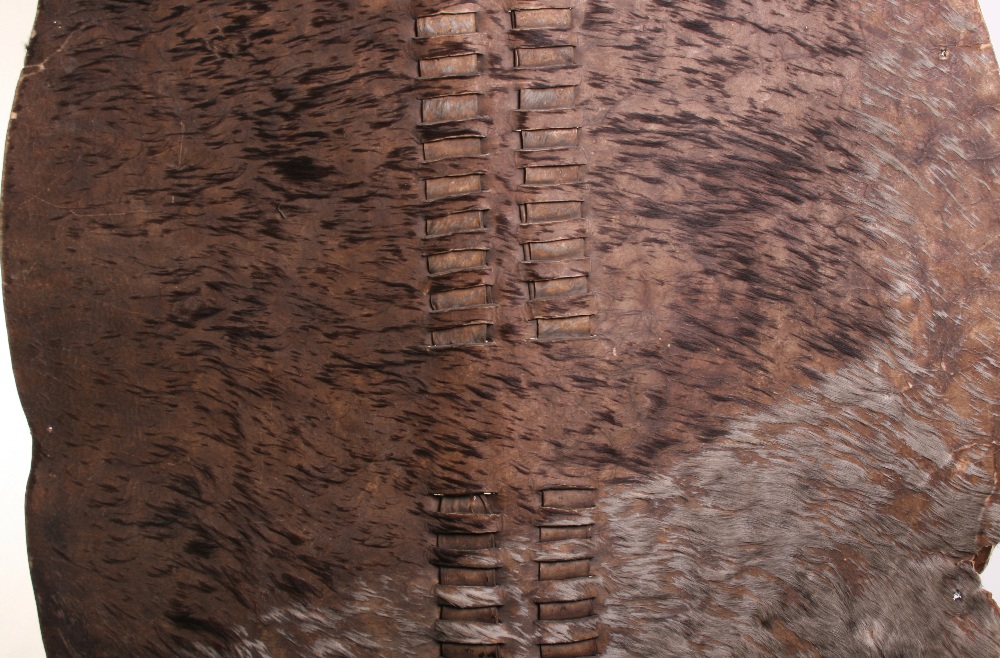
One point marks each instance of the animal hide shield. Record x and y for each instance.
(521, 329)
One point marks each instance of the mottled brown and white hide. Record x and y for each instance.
(533, 329)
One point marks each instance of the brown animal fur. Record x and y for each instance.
(222, 318)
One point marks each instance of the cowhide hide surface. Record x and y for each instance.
(533, 329)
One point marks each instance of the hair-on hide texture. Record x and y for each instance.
(423, 328)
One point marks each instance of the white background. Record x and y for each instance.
(19, 637)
